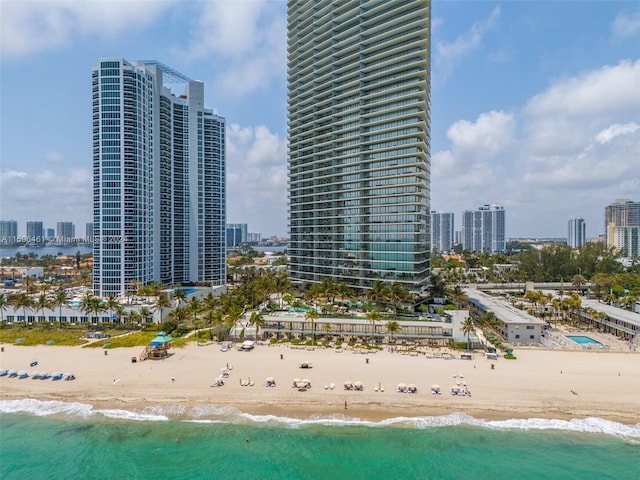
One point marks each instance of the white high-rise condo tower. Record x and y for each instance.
(159, 201)
(483, 230)
(442, 238)
(358, 97)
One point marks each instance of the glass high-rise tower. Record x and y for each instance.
(358, 98)
(159, 198)
(576, 232)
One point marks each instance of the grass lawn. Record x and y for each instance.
(73, 336)
(43, 336)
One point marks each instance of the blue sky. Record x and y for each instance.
(534, 105)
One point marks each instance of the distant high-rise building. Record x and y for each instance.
(254, 237)
(8, 232)
(441, 231)
(88, 235)
(236, 234)
(159, 180)
(622, 226)
(359, 150)
(483, 230)
(65, 232)
(51, 234)
(35, 233)
(576, 232)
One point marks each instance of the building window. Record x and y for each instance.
(517, 336)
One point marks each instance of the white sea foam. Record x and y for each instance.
(45, 408)
(226, 414)
(129, 415)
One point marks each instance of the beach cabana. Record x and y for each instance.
(158, 347)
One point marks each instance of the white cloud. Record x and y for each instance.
(491, 133)
(577, 149)
(33, 26)
(469, 171)
(246, 40)
(47, 195)
(447, 54)
(7, 175)
(616, 130)
(565, 116)
(626, 25)
(256, 178)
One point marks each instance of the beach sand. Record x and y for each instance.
(539, 384)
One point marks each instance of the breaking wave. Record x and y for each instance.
(225, 414)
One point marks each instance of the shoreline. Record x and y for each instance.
(539, 384)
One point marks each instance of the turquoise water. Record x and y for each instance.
(583, 340)
(75, 442)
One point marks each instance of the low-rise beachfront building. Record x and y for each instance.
(606, 318)
(295, 325)
(516, 326)
(74, 315)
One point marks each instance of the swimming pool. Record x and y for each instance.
(583, 340)
(189, 291)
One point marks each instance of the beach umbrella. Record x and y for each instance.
(270, 379)
(357, 384)
(435, 386)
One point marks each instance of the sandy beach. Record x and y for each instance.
(539, 384)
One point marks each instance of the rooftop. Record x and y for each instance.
(503, 310)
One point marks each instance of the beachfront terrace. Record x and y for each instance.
(295, 325)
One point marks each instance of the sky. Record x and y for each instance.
(535, 105)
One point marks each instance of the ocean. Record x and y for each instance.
(56, 440)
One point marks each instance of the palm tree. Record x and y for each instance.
(398, 295)
(327, 328)
(577, 281)
(42, 303)
(312, 315)
(194, 307)
(61, 299)
(119, 312)
(180, 295)
(134, 317)
(257, 320)
(87, 304)
(379, 292)
(28, 282)
(458, 296)
(393, 327)
(233, 315)
(3, 305)
(373, 316)
(23, 301)
(160, 304)
(467, 328)
(145, 313)
(111, 305)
